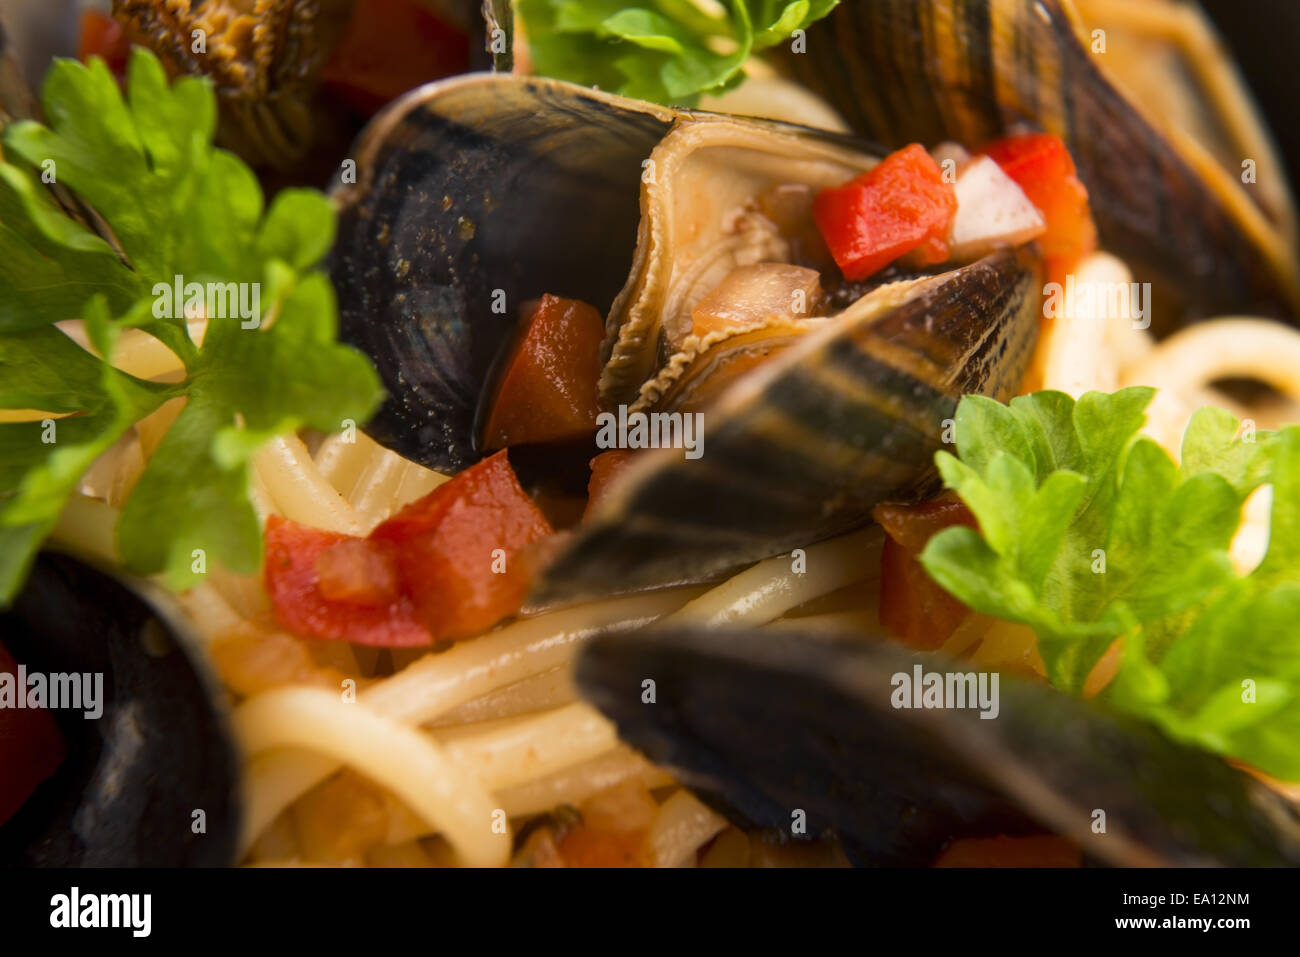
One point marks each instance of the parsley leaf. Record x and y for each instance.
(179, 212)
(668, 51)
(1089, 532)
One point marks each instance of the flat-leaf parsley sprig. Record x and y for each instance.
(175, 206)
(666, 51)
(1088, 532)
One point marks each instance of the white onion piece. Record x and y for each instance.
(992, 212)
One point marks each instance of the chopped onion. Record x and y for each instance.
(992, 211)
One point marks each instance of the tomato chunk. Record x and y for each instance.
(446, 566)
(901, 206)
(548, 390)
(31, 745)
(913, 607)
(293, 580)
(389, 47)
(1042, 167)
(460, 550)
(605, 468)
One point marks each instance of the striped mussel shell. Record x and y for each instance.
(1162, 159)
(264, 60)
(760, 721)
(484, 190)
(802, 447)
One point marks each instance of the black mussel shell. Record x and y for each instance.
(130, 789)
(764, 723)
(472, 198)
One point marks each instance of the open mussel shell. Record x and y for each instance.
(764, 723)
(134, 780)
(474, 195)
(905, 71)
(478, 193)
(805, 445)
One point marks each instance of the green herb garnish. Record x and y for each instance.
(176, 207)
(666, 51)
(1089, 532)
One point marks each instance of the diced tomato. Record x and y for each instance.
(31, 746)
(913, 607)
(389, 47)
(1037, 850)
(446, 566)
(548, 390)
(1042, 167)
(293, 582)
(901, 206)
(605, 468)
(460, 549)
(103, 36)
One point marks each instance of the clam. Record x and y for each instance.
(478, 193)
(767, 723)
(929, 70)
(152, 781)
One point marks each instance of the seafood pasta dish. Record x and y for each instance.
(675, 434)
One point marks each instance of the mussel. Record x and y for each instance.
(152, 780)
(265, 61)
(974, 70)
(477, 193)
(766, 723)
(270, 63)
